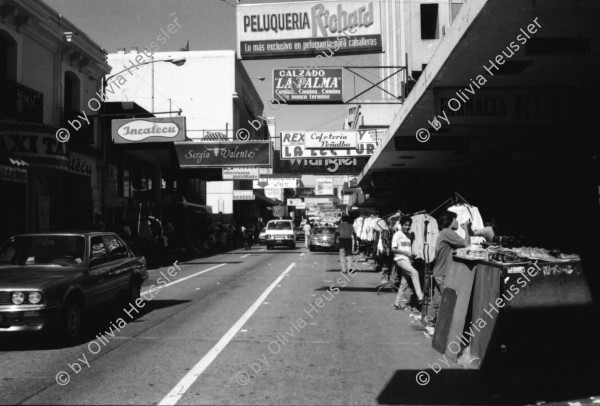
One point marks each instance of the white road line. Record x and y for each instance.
(186, 278)
(244, 256)
(302, 254)
(188, 380)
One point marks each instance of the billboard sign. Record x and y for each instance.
(224, 154)
(323, 186)
(154, 129)
(293, 145)
(245, 173)
(323, 85)
(264, 183)
(308, 28)
(331, 139)
(243, 195)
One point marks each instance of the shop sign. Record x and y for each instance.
(243, 195)
(278, 211)
(38, 149)
(331, 139)
(293, 145)
(245, 173)
(509, 106)
(297, 203)
(264, 183)
(322, 85)
(224, 154)
(274, 193)
(154, 129)
(323, 186)
(272, 133)
(308, 28)
(80, 165)
(305, 191)
(12, 174)
(323, 166)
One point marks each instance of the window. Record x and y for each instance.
(43, 249)
(98, 255)
(116, 248)
(429, 21)
(280, 225)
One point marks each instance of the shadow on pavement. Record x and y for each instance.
(96, 322)
(211, 263)
(347, 289)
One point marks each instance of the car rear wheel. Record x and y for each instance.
(71, 321)
(311, 248)
(293, 245)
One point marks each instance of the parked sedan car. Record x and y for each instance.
(53, 279)
(323, 237)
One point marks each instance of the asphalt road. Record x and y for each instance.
(244, 327)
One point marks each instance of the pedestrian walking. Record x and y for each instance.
(345, 237)
(307, 230)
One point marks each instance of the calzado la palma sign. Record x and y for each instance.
(322, 85)
(300, 29)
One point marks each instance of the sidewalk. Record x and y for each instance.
(545, 368)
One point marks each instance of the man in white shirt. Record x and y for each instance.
(402, 249)
(306, 234)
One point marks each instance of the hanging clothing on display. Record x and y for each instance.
(380, 227)
(366, 230)
(418, 229)
(358, 225)
(464, 213)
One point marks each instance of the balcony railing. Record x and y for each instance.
(20, 102)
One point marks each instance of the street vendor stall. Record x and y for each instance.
(484, 287)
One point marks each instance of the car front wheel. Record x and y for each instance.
(134, 292)
(71, 321)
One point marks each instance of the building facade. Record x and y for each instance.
(48, 71)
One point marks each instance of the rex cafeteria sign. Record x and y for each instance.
(307, 28)
(154, 129)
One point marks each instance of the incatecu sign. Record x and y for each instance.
(154, 129)
(300, 29)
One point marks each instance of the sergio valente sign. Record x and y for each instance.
(300, 29)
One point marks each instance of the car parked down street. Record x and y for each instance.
(51, 280)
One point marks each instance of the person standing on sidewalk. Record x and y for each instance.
(306, 234)
(402, 248)
(345, 237)
(447, 241)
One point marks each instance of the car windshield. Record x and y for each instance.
(59, 250)
(324, 230)
(279, 225)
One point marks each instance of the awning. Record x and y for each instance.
(260, 196)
